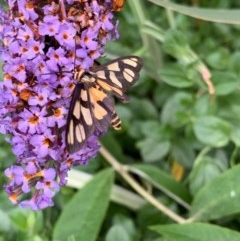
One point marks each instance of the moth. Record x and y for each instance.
(92, 109)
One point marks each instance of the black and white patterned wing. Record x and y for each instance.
(118, 75)
(91, 111)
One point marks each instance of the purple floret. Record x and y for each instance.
(41, 44)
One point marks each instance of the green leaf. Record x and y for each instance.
(176, 44)
(153, 150)
(234, 62)
(212, 131)
(128, 225)
(218, 198)
(162, 93)
(175, 75)
(225, 83)
(182, 152)
(205, 170)
(110, 142)
(235, 136)
(152, 128)
(204, 106)
(5, 204)
(148, 215)
(83, 215)
(5, 222)
(196, 232)
(122, 230)
(176, 110)
(163, 181)
(156, 130)
(136, 130)
(20, 218)
(218, 59)
(143, 108)
(117, 233)
(153, 30)
(229, 108)
(214, 15)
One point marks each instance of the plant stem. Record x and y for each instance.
(122, 170)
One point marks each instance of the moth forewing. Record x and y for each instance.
(132, 67)
(118, 75)
(80, 120)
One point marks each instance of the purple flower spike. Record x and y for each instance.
(41, 45)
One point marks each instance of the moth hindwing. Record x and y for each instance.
(92, 109)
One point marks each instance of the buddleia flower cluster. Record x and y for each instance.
(41, 44)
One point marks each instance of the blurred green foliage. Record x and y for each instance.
(172, 118)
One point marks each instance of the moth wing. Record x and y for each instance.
(80, 121)
(118, 75)
(91, 109)
(90, 112)
(102, 108)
